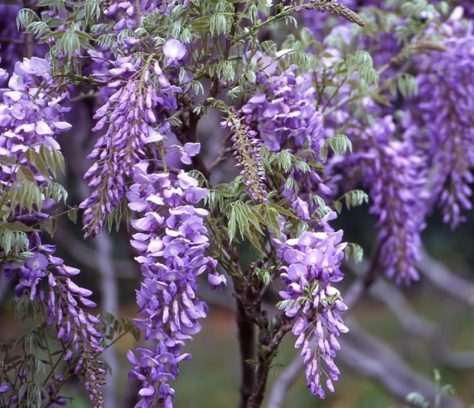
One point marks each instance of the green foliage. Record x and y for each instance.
(339, 144)
(414, 25)
(352, 198)
(355, 251)
(263, 276)
(361, 62)
(121, 212)
(407, 85)
(113, 327)
(418, 400)
(13, 239)
(243, 221)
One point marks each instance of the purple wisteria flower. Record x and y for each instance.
(175, 52)
(135, 114)
(77, 330)
(189, 150)
(31, 117)
(442, 114)
(396, 174)
(172, 240)
(311, 265)
(288, 120)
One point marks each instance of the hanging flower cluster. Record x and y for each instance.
(396, 174)
(286, 112)
(247, 153)
(76, 327)
(31, 116)
(311, 265)
(138, 97)
(444, 103)
(172, 240)
(287, 119)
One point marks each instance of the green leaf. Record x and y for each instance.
(48, 157)
(59, 158)
(8, 161)
(72, 214)
(243, 221)
(355, 251)
(24, 173)
(407, 85)
(37, 161)
(353, 198)
(17, 226)
(339, 145)
(50, 225)
(200, 23)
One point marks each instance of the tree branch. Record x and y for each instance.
(370, 357)
(440, 276)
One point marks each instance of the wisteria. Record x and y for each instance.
(138, 96)
(288, 120)
(395, 173)
(171, 239)
(365, 102)
(32, 116)
(445, 101)
(311, 265)
(247, 153)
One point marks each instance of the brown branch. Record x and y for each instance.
(246, 336)
(367, 355)
(222, 156)
(440, 276)
(268, 348)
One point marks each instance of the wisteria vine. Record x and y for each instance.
(370, 102)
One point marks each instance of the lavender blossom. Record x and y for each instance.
(171, 239)
(288, 119)
(445, 102)
(136, 115)
(311, 265)
(30, 118)
(396, 174)
(63, 309)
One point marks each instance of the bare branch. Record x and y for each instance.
(414, 324)
(440, 276)
(369, 356)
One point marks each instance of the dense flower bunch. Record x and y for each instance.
(311, 265)
(129, 14)
(31, 116)
(285, 112)
(396, 174)
(76, 327)
(138, 97)
(172, 242)
(288, 119)
(444, 117)
(156, 68)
